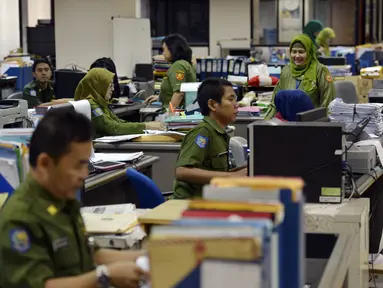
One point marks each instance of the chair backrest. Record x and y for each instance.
(238, 148)
(347, 91)
(291, 102)
(149, 196)
(16, 95)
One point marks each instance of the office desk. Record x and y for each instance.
(130, 113)
(241, 123)
(349, 219)
(163, 170)
(112, 187)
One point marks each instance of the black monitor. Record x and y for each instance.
(317, 115)
(66, 81)
(333, 61)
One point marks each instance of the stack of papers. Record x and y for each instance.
(353, 113)
(116, 157)
(123, 138)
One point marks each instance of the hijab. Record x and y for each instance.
(94, 86)
(323, 39)
(291, 102)
(308, 70)
(311, 28)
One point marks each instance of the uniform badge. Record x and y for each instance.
(180, 75)
(52, 210)
(97, 112)
(201, 141)
(20, 240)
(328, 78)
(60, 243)
(33, 93)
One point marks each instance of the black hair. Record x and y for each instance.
(56, 131)
(211, 88)
(109, 65)
(178, 47)
(39, 61)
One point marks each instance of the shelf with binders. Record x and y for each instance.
(160, 67)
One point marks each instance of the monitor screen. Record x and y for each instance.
(317, 115)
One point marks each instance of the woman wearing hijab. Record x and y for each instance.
(305, 73)
(312, 29)
(323, 40)
(97, 88)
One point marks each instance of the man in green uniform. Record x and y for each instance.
(42, 234)
(40, 90)
(205, 149)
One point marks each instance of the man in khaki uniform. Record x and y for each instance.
(205, 149)
(42, 235)
(40, 90)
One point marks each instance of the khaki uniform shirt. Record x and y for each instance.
(36, 96)
(322, 92)
(205, 147)
(41, 237)
(179, 72)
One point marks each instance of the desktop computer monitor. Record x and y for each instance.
(66, 81)
(333, 61)
(317, 115)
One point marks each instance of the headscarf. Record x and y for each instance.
(94, 86)
(291, 102)
(311, 28)
(323, 39)
(308, 69)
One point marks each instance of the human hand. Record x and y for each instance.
(241, 172)
(126, 274)
(155, 126)
(151, 99)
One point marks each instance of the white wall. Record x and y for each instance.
(228, 19)
(9, 27)
(38, 9)
(83, 29)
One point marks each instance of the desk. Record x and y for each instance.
(241, 123)
(349, 218)
(130, 112)
(112, 187)
(163, 170)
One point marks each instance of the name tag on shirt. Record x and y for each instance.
(60, 243)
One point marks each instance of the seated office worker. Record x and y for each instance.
(305, 73)
(176, 51)
(107, 63)
(97, 88)
(42, 235)
(41, 89)
(205, 149)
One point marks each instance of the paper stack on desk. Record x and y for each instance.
(149, 134)
(116, 157)
(250, 235)
(354, 113)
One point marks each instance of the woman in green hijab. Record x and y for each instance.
(323, 40)
(304, 72)
(312, 29)
(97, 88)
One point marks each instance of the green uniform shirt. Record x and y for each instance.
(106, 123)
(179, 72)
(41, 237)
(204, 147)
(322, 92)
(36, 96)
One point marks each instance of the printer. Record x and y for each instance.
(13, 113)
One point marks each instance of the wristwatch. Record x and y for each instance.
(102, 274)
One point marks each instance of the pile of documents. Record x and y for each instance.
(160, 67)
(246, 232)
(343, 70)
(149, 136)
(113, 226)
(183, 122)
(353, 113)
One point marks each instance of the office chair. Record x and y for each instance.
(149, 196)
(16, 95)
(347, 91)
(291, 102)
(238, 148)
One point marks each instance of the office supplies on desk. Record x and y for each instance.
(108, 223)
(108, 165)
(119, 157)
(109, 209)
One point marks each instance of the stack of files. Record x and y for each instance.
(116, 157)
(183, 122)
(249, 111)
(354, 113)
(246, 232)
(160, 67)
(340, 70)
(150, 136)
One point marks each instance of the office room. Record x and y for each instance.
(179, 143)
